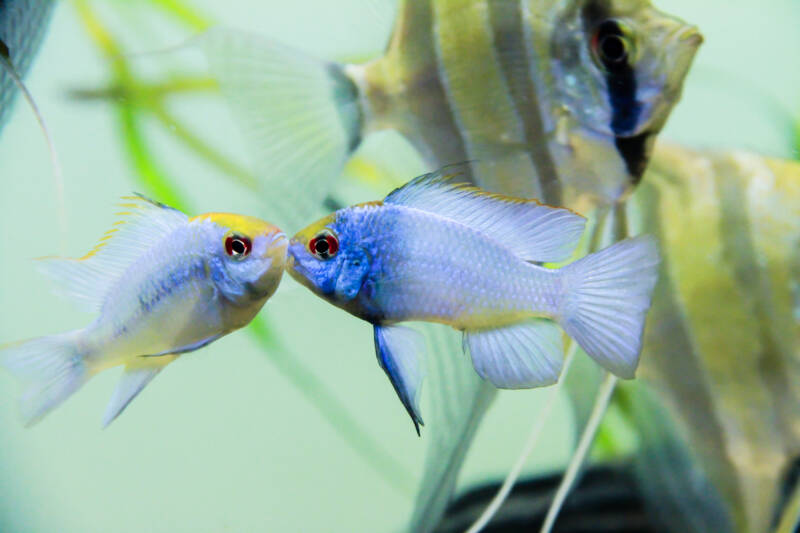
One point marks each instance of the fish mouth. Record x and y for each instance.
(277, 240)
(293, 262)
(690, 36)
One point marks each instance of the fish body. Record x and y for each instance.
(439, 251)
(723, 343)
(419, 274)
(555, 100)
(163, 284)
(23, 24)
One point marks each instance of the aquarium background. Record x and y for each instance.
(221, 441)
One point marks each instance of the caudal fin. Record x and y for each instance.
(606, 298)
(300, 115)
(51, 368)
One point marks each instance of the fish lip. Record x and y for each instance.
(691, 36)
(292, 260)
(278, 239)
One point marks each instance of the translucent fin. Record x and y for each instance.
(458, 400)
(299, 115)
(520, 356)
(130, 385)
(535, 232)
(398, 349)
(52, 369)
(606, 298)
(88, 279)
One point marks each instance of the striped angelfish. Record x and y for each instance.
(722, 346)
(558, 100)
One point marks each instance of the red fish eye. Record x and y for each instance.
(324, 245)
(238, 247)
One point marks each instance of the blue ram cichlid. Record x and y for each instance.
(439, 251)
(164, 284)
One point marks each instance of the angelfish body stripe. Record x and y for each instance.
(480, 99)
(404, 90)
(508, 21)
(727, 225)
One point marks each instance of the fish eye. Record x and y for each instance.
(324, 245)
(237, 246)
(611, 46)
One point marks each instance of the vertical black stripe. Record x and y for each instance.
(622, 89)
(509, 41)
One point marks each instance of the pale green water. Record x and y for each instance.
(220, 441)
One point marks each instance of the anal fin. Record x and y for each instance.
(398, 350)
(520, 356)
(134, 379)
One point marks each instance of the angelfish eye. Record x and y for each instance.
(610, 45)
(238, 247)
(324, 245)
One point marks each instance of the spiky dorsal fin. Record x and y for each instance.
(88, 279)
(535, 232)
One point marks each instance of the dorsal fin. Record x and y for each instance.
(535, 232)
(88, 278)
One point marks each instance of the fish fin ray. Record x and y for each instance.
(88, 279)
(533, 231)
(519, 356)
(398, 349)
(606, 298)
(458, 399)
(51, 367)
(186, 348)
(299, 115)
(133, 381)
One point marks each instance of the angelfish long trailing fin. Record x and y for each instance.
(542, 416)
(458, 400)
(612, 225)
(579, 457)
(58, 176)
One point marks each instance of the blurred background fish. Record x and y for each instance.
(559, 101)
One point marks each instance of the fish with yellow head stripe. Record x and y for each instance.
(163, 284)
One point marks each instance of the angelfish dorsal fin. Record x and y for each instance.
(88, 279)
(533, 231)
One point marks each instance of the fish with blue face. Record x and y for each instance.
(441, 251)
(550, 99)
(163, 284)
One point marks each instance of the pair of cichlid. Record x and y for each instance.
(434, 250)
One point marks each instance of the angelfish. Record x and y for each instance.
(440, 251)
(559, 100)
(163, 284)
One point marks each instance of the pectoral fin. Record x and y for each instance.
(521, 356)
(397, 349)
(135, 378)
